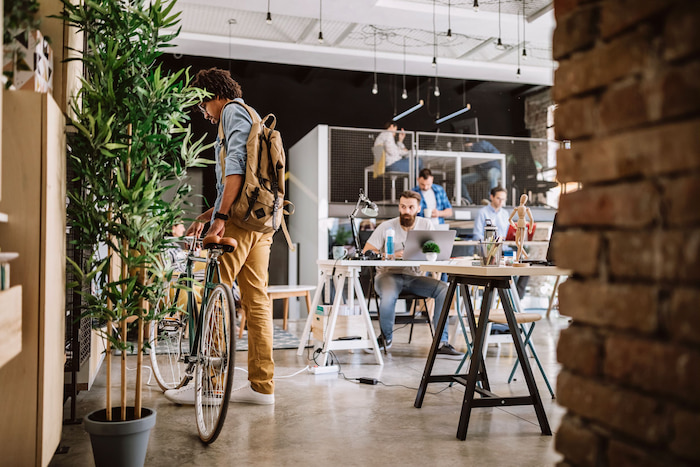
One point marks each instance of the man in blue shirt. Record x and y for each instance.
(494, 211)
(490, 171)
(250, 260)
(499, 217)
(433, 197)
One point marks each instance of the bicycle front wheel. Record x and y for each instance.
(214, 374)
(169, 347)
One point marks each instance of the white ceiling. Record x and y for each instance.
(350, 28)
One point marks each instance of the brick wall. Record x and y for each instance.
(628, 95)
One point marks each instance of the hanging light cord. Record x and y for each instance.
(499, 19)
(403, 92)
(434, 36)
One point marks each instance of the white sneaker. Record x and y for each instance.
(246, 395)
(185, 396)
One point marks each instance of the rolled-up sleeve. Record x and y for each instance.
(237, 124)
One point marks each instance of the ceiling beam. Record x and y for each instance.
(473, 50)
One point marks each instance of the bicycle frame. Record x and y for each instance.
(195, 313)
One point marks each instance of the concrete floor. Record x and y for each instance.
(321, 420)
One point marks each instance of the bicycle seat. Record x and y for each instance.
(227, 243)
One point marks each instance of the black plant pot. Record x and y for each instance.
(119, 443)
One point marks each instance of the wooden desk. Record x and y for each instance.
(493, 279)
(341, 271)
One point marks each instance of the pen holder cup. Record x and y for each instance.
(490, 253)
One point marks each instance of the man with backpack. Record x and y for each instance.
(249, 262)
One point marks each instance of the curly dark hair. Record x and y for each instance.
(218, 82)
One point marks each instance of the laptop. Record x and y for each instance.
(416, 238)
(550, 251)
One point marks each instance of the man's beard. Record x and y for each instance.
(407, 220)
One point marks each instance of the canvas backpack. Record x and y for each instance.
(261, 206)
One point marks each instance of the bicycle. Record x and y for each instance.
(209, 329)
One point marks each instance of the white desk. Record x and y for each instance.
(342, 271)
(494, 280)
(441, 159)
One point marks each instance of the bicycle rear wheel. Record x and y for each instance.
(214, 373)
(169, 347)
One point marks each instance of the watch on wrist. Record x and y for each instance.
(223, 217)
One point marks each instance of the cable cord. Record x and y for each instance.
(277, 377)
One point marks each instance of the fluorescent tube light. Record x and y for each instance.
(454, 114)
(412, 109)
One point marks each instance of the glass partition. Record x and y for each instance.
(466, 166)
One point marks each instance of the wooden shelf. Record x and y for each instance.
(10, 324)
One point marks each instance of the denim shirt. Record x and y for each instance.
(499, 219)
(236, 125)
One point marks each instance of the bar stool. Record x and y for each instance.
(498, 316)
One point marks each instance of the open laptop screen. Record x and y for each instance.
(416, 238)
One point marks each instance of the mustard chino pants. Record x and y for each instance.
(249, 264)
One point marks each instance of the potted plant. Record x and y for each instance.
(431, 250)
(129, 147)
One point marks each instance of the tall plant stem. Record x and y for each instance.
(108, 345)
(124, 275)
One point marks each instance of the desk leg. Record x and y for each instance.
(477, 361)
(436, 343)
(368, 320)
(332, 317)
(510, 305)
(309, 319)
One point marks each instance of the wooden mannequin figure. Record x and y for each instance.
(523, 212)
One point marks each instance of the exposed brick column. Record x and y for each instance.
(628, 95)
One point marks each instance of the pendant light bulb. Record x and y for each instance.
(404, 94)
(320, 37)
(449, 34)
(499, 44)
(476, 6)
(434, 62)
(517, 73)
(524, 53)
(268, 20)
(436, 93)
(375, 89)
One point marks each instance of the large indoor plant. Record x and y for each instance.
(129, 148)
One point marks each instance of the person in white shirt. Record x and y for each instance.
(391, 281)
(394, 151)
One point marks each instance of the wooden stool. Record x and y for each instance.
(284, 292)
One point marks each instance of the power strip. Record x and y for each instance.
(323, 370)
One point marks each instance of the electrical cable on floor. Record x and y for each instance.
(293, 374)
(277, 377)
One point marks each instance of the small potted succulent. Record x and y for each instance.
(431, 250)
